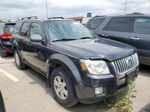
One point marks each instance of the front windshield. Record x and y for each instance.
(67, 29)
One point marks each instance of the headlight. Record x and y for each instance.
(96, 67)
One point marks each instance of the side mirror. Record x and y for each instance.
(36, 38)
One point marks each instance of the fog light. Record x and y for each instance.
(98, 90)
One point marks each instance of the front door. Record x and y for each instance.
(119, 28)
(38, 56)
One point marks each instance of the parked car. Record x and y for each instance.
(79, 67)
(2, 107)
(6, 30)
(133, 29)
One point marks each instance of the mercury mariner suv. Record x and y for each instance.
(79, 66)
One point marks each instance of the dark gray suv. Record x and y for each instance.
(133, 29)
(79, 67)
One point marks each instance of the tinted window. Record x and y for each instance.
(24, 29)
(9, 28)
(1, 28)
(17, 28)
(36, 29)
(120, 24)
(94, 23)
(142, 25)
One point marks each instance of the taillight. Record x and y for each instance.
(6, 36)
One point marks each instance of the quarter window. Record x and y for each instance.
(94, 23)
(24, 29)
(122, 24)
(142, 25)
(17, 28)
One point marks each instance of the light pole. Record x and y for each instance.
(125, 7)
(46, 9)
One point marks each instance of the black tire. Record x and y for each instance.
(18, 62)
(3, 53)
(2, 107)
(71, 99)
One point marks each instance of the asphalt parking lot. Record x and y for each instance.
(25, 91)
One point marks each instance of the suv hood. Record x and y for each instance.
(95, 49)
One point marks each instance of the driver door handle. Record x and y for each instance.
(105, 35)
(135, 38)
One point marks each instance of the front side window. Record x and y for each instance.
(67, 29)
(94, 23)
(142, 26)
(24, 29)
(36, 29)
(121, 24)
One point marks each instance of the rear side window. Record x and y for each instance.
(142, 25)
(25, 29)
(94, 23)
(9, 28)
(121, 24)
(1, 28)
(17, 28)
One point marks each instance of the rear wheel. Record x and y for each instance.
(62, 88)
(3, 53)
(18, 61)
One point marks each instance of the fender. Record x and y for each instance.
(62, 59)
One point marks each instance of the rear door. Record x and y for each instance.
(118, 28)
(141, 36)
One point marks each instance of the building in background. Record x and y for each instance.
(81, 19)
(3, 20)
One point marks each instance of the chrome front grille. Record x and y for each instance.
(126, 64)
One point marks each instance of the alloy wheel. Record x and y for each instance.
(60, 87)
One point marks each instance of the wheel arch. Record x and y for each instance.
(15, 45)
(57, 60)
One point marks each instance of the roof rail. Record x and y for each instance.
(31, 17)
(56, 18)
(99, 16)
(136, 13)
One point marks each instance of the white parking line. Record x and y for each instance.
(10, 76)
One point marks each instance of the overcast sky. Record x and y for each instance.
(69, 8)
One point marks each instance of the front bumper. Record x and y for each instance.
(112, 85)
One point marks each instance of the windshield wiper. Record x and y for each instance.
(64, 39)
(86, 38)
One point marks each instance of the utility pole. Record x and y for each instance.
(125, 7)
(46, 9)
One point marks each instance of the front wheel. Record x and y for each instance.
(62, 87)
(19, 64)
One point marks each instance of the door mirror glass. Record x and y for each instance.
(36, 38)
